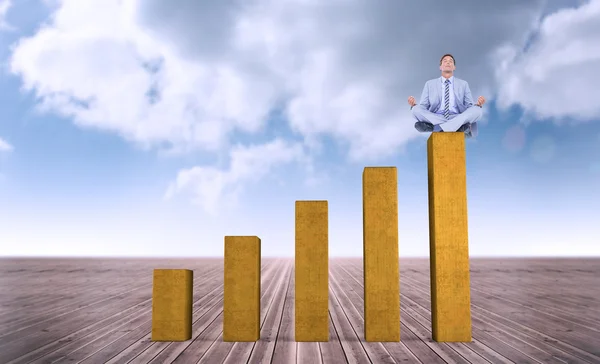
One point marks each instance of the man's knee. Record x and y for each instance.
(416, 113)
(476, 113)
(471, 114)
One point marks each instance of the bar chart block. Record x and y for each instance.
(448, 238)
(312, 271)
(172, 305)
(380, 254)
(241, 298)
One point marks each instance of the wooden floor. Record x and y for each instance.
(99, 311)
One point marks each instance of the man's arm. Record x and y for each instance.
(468, 101)
(424, 101)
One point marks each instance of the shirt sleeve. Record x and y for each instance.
(468, 101)
(425, 97)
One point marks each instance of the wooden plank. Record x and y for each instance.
(65, 303)
(413, 332)
(202, 320)
(571, 313)
(75, 291)
(203, 337)
(16, 347)
(133, 343)
(557, 349)
(219, 349)
(241, 352)
(106, 331)
(545, 275)
(138, 340)
(262, 352)
(332, 351)
(508, 324)
(375, 350)
(410, 349)
(308, 352)
(420, 296)
(34, 309)
(350, 341)
(285, 345)
(82, 349)
(509, 350)
(57, 348)
(474, 351)
(97, 294)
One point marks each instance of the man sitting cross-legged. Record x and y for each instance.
(446, 103)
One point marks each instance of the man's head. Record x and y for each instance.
(447, 65)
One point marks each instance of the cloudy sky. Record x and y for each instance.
(157, 127)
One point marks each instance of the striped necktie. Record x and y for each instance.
(447, 100)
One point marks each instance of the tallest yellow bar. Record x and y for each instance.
(380, 254)
(448, 238)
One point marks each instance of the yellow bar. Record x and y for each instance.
(172, 305)
(311, 270)
(448, 234)
(380, 254)
(241, 301)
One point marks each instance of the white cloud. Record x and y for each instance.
(351, 65)
(215, 190)
(4, 146)
(555, 76)
(190, 75)
(5, 5)
(96, 64)
(344, 69)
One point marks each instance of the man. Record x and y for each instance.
(446, 103)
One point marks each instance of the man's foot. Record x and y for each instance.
(424, 126)
(464, 128)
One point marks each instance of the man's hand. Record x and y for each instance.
(411, 101)
(480, 101)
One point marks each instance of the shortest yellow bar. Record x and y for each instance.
(241, 296)
(172, 305)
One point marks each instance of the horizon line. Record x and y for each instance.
(276, 256)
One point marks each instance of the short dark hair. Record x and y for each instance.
(445, 55)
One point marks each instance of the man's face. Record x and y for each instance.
(447, 64)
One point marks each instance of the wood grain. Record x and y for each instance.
(99, 311)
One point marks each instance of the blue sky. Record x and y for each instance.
(141, 130)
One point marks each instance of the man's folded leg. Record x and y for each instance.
(470, 129)
(469, 116)
(424, 126)
(474, 129)
(426, 120)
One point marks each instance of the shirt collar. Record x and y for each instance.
(443, 79)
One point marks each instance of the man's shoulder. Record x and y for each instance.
(432, 81)
(460, 81)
